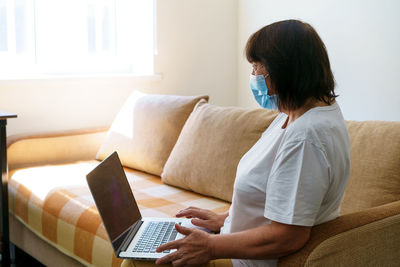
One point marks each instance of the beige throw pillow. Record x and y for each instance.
(210, 146)
(146, 129)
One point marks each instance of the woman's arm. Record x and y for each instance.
(265, 242)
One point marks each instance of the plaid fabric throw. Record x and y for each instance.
(55, 203)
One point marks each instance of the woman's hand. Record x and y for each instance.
(204, 218)
(193, 249)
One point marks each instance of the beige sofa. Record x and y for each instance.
(194, 147)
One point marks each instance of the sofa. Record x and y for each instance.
(181, 151)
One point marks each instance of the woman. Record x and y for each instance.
(295, 175)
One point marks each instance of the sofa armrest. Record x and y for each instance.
(54, 148)
(367, 238)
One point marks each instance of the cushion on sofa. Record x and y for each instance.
(210, 146)
(146, 129)
(375, 165)
(55, 202)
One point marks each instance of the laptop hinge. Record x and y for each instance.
(130, 236)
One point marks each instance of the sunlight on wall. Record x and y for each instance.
(124, 124)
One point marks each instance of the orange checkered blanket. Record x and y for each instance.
(55, 203)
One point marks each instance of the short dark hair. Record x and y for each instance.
(296, 60)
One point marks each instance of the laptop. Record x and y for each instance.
(131, 235)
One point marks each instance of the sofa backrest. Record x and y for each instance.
(375, 165)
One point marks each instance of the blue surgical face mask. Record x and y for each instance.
(260, 92)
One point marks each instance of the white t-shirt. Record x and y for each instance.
(295, 175)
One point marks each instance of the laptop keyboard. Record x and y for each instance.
(154, 235)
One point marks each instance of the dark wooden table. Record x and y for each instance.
(5, 223)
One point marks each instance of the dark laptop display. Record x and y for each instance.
(114, 199)
(131, 235)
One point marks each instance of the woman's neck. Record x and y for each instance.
(295, 114)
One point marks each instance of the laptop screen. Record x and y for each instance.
(113, 197)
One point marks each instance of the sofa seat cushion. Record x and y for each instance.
(55, 203)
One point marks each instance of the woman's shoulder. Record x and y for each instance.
(316, 124)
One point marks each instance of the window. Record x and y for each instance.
(76, 36)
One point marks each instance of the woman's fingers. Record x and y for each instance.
(202, 223)
(183, 230)
(179, 263)
(168, 258)
(193, 213)
(202, 218)
(186, 211)
(189, 208)
(175, 244)
(193, 249)
(167, 246)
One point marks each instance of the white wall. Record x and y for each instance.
(200, 46)
(197, 44)
(363, 41)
